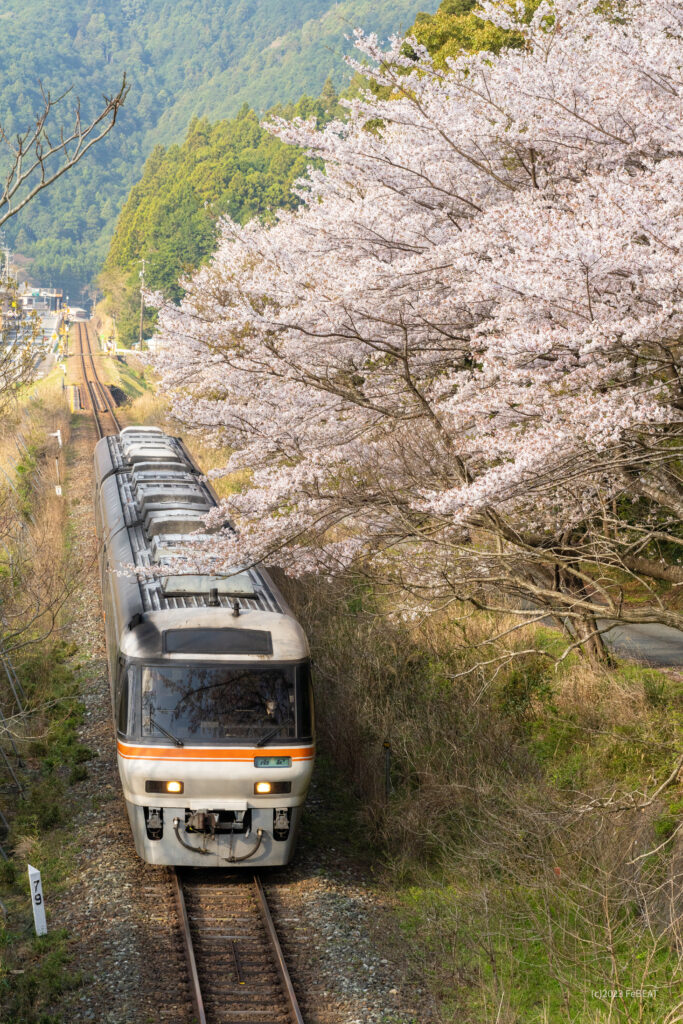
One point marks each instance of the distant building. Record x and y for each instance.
(43, 300)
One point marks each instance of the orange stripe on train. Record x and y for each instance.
(241, 754)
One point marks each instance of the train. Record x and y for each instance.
(209, 674)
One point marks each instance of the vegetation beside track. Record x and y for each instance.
(527, 883)
(36, 577)
(532, 868)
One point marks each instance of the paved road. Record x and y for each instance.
(49, 323)
(651, 644)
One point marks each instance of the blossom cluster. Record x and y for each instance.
(477, 309)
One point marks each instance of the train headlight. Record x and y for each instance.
(155, 786)
(265, 788)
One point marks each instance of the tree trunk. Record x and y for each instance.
(592, 643)
(584, 625)
(654, 569)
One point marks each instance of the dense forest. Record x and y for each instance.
(183, 59)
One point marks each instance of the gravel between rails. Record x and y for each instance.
(119, 912)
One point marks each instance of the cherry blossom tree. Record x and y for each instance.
(457, 366)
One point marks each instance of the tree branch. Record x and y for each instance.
(33, 154)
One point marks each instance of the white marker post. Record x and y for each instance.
(37, 900)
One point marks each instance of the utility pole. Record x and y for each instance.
(142, 300)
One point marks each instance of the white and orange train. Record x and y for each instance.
(210, 675)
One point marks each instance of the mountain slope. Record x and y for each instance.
(232, 166)
(183, 58)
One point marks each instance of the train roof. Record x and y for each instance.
(152, 501)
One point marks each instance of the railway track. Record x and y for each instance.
(236, 968)
(94, 394)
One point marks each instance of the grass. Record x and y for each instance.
(33, 972)
(486, 958)
(128, 373)
(523, 888)
(46, 974)
(25, 470)
(130, 380)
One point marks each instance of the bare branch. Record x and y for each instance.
(36, 161)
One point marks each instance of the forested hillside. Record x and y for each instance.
(183, 59)
(233, 166)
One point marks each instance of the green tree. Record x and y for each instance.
(230, 167)
(455, 27)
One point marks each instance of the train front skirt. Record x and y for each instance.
(259, 837)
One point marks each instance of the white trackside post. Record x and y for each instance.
(37, 900)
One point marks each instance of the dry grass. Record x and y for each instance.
(34, 580)
(512, 833)
(37, 571)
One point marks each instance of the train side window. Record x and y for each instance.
(305, 701)
(123, 701)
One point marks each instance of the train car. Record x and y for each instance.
(209, 674)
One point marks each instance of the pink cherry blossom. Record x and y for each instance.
(464, 347)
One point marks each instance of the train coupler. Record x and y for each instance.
(154, 822)
(282, 819)
(209, 823)
(203, 822)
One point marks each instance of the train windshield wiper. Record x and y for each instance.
(269, 735)
(178, 742)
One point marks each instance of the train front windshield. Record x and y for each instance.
(210, 702)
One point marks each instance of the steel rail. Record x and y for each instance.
(104, 391)
(188, 946)
(92, 385)
(292, 1002)
(81, 354)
